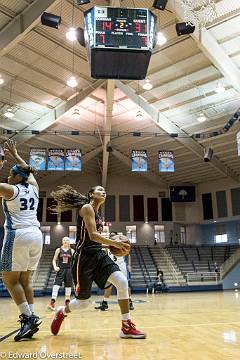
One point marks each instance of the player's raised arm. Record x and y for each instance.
(11, 148)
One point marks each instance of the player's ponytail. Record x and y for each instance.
(67, 198)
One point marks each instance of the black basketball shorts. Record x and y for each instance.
(88, 266)
(64, 276)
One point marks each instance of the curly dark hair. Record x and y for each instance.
(68, 198)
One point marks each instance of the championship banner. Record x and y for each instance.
(166, 161)
(55, 159)
(238, 143)
(73, 160)
(37, 159)
(139, 161)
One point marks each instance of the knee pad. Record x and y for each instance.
(121, 283)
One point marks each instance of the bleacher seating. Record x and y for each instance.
(200, 258)
(41, 275)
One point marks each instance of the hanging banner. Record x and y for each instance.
(139, 161)
(38, 159)
(55, 159)
(238, 143)
(73, 160)
(166, 161)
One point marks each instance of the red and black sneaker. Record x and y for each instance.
(129, 331)
(57, 321)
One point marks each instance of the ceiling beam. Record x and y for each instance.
(150, 176)
(16, 29)
(47, 120)
(107, 128)
(169, 127)
(210, 47)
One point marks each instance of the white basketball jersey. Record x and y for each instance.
(21, 209)
(119, 260)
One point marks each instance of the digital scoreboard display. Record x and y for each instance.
(116, 27)
(117, 39)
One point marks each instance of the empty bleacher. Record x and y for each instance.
(200, 258)
(41, 275)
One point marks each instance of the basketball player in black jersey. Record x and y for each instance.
(62, 265)
(90, 262)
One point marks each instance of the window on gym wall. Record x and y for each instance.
(220, 234)
(159, 233)
(223, 238)
(46, 234)
(72, 232)
(131, 233)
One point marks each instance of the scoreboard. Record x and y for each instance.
(120, 30)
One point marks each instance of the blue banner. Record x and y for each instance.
(73, 160)
(55, 159)
(38, 159)
(166, 161)
(139, 161)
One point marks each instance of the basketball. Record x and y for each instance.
(119, 252)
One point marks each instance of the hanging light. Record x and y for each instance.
(71, 35)
(220, 88)
(76, 114)
(1, 80)
(147, 85)
(139, 115)
(9, 113)
(161, 39)
(72, 82)
(201, 118)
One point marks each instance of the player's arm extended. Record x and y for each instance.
(6, 191)
(12, 149)
(88, 215)
(55, 258)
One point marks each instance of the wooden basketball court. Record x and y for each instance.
(196, 326)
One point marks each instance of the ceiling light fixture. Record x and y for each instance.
(220, 88)
(201, 118)
(9, 113)
(1, 80)
(76, 114)
(161, 39)
(72, 82)
(147, 85)
(139, 115)
(71, 34)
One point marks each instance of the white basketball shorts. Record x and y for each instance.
(22, 249)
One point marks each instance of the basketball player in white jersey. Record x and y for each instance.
(22, 244)
(124, 265)
(62, 265)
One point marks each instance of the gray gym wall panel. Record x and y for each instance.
(221, 199)
(110, 208)
(124, 207)
(235, 195)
